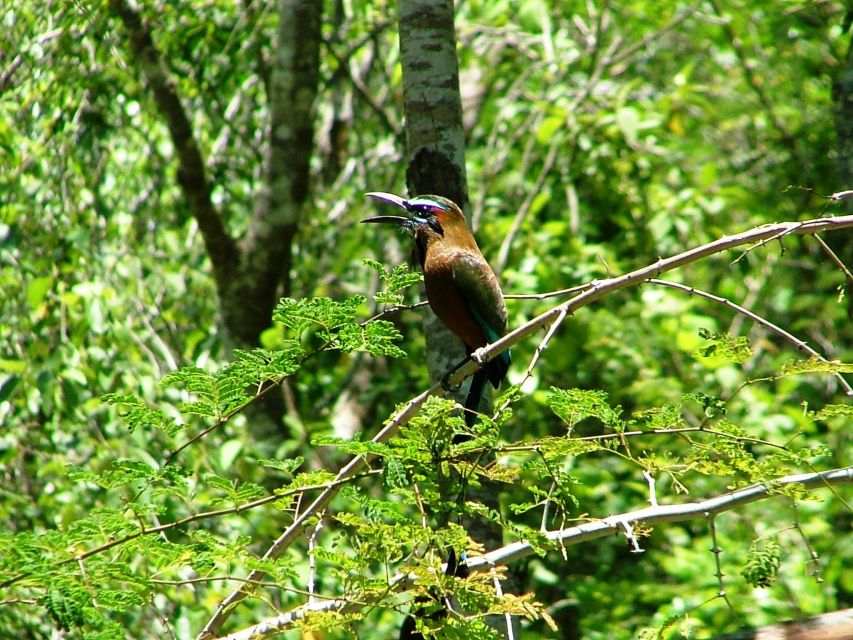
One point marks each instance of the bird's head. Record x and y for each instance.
(429, 217)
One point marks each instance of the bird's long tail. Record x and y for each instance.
(475, 396)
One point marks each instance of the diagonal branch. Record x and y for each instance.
(794, 340)
(599, 288)
(594, 291)
(192, 174)
(707, 509)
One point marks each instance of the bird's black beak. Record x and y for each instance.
(389, 198)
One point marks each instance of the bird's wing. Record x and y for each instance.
(480, 289)
(482, 293)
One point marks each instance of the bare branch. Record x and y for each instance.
(599, 288)
(794, 340)
(834, 257)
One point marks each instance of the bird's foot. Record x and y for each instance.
(445, 379)
(445, 382)
(479, 356)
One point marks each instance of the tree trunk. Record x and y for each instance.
(252, 274)
(435, 149)
(435, 159)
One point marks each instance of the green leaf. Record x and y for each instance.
(287, 466)
(548, 129)
(834, 411)
(723, 346)
(762, 564)
(229, 451)
(137, 414)
(712, 407)
(378, 338)
(815, 365)
(317, 313)
(37, 290)
(66, 607)
(574, 405)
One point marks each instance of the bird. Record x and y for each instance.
(434, 607)
(461, 288)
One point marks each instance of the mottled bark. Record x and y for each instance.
(431, 100)
(435, 158)
(250, 275)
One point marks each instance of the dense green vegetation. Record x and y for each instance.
(143, 478)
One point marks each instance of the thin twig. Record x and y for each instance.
(653, 497)
(560, 293)
(631, 537)
(300, 491)
(834, 257)
(799, 344)
(649, 432)
(312, 558)
(814, 559)
(717, 551)
(500, 593)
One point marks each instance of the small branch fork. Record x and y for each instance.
(794, 340)
(708, 509)
(552, 317)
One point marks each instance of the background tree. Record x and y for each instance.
(158, 174)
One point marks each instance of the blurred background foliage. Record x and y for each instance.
(600, 136)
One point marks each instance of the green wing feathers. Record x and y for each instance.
(482, 293)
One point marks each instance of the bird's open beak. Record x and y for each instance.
(398, 220)
(388, 198)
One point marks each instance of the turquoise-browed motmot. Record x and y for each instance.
(461, 287)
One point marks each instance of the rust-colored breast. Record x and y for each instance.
(447, 301)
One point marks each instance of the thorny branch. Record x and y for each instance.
(795, 341)
(595, 290)
(648, 516)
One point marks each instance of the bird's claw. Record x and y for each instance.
(445, 383)
(479, 356)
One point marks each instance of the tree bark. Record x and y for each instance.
(435, 161)
(435, 149)
(251, 274)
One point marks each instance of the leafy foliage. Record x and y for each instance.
(762, 564)
(137, 493)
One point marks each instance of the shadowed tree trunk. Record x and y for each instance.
(435, 160)
(250, 273)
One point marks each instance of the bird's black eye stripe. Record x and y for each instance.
(425, 213)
